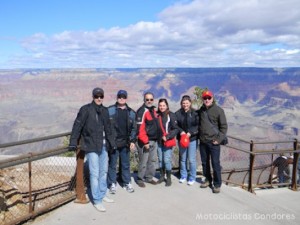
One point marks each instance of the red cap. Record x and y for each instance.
(184, 141)
(207, 93)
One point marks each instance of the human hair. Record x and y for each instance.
(165, 101)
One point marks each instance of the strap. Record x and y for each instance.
(161, 126)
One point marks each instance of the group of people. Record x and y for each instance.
(109, 133)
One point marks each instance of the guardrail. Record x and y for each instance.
(34, 183)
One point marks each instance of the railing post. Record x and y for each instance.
(295, 166)
(80, 190)
(30, 184)
(251, 165)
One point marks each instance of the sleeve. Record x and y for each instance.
(178, 117)
(141, 126)
(133, 129)
(108, 129)
(222, 123)
(78, 126)
(193, 130)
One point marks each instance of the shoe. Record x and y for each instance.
(205, 184)
(113, 188)
(216, 190)
(152, 182)
(108, 200)
(162, 176)
(100, 207)
(128, 188)
(191, 182)
(182, 180)
(140, 183)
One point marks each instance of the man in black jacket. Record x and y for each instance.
(123, 124)
(212, 131)
(93, 126)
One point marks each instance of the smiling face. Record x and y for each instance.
(186, 105)
(162, 106)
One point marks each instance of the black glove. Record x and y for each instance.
(72, 148)
(112, 150)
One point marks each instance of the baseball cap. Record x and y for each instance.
(122, 93)
(207, 93)
(98, 91)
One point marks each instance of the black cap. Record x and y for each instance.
(98, 91)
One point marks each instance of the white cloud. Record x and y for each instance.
(196, 33)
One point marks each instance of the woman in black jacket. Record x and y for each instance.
(167, 139)
(188, 122)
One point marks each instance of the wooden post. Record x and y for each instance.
(80, 190)
(251, 165)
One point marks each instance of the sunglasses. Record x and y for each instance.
(149, 99)
(98, 96)
(122, 96)
(207, 98)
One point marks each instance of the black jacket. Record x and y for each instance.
(131, 123)
(91, 122)
(217, 116)
(191, 124)
(169, 123)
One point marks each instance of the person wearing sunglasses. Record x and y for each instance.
(123, 124)
(147, 133)
(93, 126)
(212, 119)
(188, 122)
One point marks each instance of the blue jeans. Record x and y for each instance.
(165, 157)
(208, 152)
(124, 154)
(98, 166)
(188, 154)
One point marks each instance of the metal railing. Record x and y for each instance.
(34, 183)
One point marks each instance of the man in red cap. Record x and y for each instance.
(212, 131)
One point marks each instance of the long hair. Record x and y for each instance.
(166, 102)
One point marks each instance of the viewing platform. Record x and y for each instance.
(181, 204)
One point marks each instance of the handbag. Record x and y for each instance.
(225, 140)
(168, 143)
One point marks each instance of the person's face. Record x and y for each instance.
(98, 99)
(162, 106)
(207, 100)
(186, 105)
(148, 100)
(121, 99)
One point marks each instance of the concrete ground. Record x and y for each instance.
(183, 204)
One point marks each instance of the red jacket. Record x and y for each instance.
(147, 124)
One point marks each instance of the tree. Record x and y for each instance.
(197, 101)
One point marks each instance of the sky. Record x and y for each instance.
(149, 33)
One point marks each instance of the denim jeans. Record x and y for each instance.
(147, 162)
(188, 154)
(210, 152)
(124, 155)
(165, 157)
(98, 166)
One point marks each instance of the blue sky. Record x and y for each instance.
(149, 33)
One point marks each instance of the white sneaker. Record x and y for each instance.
(113, 188)
(108, 200)
(100, 207)
(191, 182)
(128, 187)
(182, 180)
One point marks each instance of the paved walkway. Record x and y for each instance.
(183, 204)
